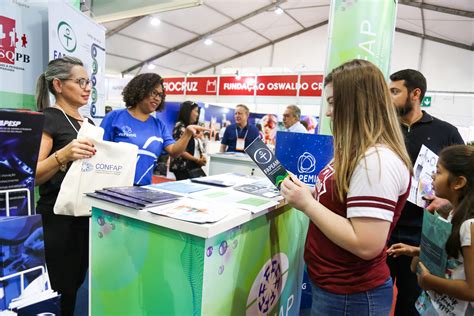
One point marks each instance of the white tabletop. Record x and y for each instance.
(236, 218)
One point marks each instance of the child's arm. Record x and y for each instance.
(402, 249)
(460, 289)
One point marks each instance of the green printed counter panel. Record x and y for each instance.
(138, 268)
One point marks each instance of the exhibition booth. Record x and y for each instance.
(228, 244)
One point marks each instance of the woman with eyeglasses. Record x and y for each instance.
(144, 95)
(66, 238)
(188, 164)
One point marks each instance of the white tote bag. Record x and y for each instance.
(113, 165)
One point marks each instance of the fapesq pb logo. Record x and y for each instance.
(9, 42)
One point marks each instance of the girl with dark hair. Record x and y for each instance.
(189, 164)
(66, 238)
(144, 95)
(454, 181)
(358, 198)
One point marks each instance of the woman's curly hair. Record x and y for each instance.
(141, 87)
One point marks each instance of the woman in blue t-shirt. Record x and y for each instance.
(144, 95)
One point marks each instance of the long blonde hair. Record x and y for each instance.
(363, 116)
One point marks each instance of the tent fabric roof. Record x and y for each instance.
(236, 27)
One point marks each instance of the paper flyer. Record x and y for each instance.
(192, 211)
(422, 182)
(434, 235)
(235, 199)
(267, 162)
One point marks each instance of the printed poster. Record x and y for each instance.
(72, 33)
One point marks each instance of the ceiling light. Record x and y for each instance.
(151, 66)
(208, 41)
(278, 10)
(155, 21)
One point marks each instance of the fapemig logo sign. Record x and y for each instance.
(10, 40)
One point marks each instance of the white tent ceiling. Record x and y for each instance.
(238, 27)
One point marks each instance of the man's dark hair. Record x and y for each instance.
(140, 87)
(412, 79)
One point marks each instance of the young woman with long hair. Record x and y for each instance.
(358, 198)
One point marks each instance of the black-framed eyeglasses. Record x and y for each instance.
(155, 93)
(83, 82)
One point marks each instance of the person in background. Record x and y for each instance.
(269, 124)
(189, 163)
(408, 88)
(222, 130)
(454, 181)
(260, 131)
(144, 95)
(305, 124)
(358, 198)
(291, 120)
(66, 238)
(239, 135)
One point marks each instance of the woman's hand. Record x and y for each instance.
(77, 149)
(195, 129)
(296, 193)
(202, 161)
(402, 249)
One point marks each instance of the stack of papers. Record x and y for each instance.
(134, 197)
(181, 187)
(225, 180)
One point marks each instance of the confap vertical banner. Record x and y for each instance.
(361, 29)
(74, 34)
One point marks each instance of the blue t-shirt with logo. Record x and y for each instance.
(150, 136)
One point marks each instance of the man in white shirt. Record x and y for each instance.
(291, 120)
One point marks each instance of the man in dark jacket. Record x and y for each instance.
(408, 88)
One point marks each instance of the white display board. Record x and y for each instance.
(75, 34)
(22, 54)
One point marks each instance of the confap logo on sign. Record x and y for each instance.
(10, 40)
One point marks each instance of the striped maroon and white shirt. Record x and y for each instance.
(379, 188)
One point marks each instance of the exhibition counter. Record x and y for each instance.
(244, 264)
(233, 162)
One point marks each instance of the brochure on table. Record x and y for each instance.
(192, 211)
(422, 182)
(235, 199)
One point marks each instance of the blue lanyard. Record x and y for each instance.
(237, 134)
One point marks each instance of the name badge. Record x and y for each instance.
(240, 144)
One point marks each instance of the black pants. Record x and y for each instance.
(405, 280)
(189, 174)
(66, 241)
